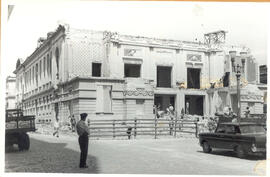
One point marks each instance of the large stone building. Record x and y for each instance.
(10, 92)
(109, 75)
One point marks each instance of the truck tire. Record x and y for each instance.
(23, 142)
(20, 142)
(206, 147)
(26, 142)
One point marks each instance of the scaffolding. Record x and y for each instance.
(215, 39)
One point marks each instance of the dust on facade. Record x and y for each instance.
(114, 76)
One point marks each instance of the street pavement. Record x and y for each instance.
(181, 156)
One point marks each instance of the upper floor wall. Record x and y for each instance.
(68, 52)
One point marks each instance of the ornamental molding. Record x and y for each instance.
(194, 57)
(137, 92)
(251, 97)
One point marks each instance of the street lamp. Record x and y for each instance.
(243, 60)
(233, 54)
(237, 71)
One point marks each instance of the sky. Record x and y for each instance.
(245, 23)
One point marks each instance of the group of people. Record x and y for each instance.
(228, 112)
(57, 125)
(169, 114)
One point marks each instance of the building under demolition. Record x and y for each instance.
(109, 75)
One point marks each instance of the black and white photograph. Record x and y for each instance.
(134, 87)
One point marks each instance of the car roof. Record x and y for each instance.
(241, 123)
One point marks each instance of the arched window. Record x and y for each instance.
(44, 66)
(57, 62)
(48, 65)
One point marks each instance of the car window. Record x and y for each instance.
(229, 129)
(252, 129)
(221, 129)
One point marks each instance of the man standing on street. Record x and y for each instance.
(73, 123)
(83, 132)
(56, 128)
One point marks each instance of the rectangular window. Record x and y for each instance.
(193, 78)
(226, 79)
(132, 70)
(164, 76)
(104, 99)
(96, 69)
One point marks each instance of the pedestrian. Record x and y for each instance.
(170, 111)
(247, 112)
(187, 107)
(83, 132)
(230, 112)
(56, 128)
(129, 129)
(73, 123)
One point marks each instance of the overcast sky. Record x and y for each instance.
(246, 23)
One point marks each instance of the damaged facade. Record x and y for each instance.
(113, 76)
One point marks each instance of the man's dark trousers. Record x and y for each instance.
(83, 141)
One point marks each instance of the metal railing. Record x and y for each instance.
(141, 127)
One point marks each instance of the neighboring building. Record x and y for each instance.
(10, 92)
(263, 74)
(109, 75)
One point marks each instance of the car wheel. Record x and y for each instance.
(206, 147)
(240, 152)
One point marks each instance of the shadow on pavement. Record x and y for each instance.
(45, 157)
(233, 154)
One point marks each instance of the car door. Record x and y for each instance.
(229, 136)
(216, 139)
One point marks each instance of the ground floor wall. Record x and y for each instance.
(122, 102)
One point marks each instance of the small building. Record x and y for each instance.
(114, 76)
(10, 92)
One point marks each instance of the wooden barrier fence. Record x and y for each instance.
(141, 127)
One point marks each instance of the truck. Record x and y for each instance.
(17, 126)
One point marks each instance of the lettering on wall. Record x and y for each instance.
(137, 92)
(194, 57)
(254, 98)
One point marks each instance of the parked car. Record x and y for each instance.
(243, 138)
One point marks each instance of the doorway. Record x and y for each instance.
(164, 101)
(194, 104)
